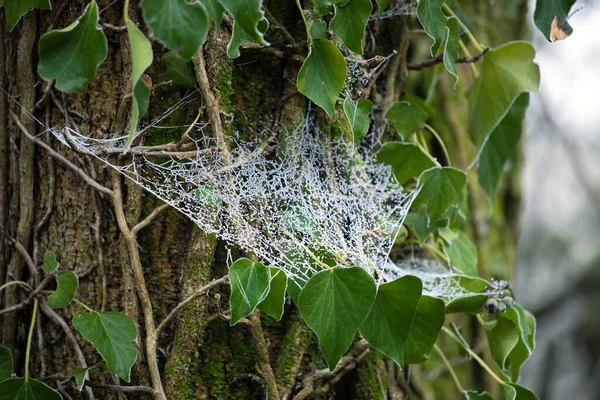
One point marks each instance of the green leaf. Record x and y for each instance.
(239, 36)
(418, 224)
(502, 339)
(471, 395)
(501, 145)
(26, 389)
(350, 22)
(322, 75)
(451, 47)
(407, 117)
(178, 71)
(208, 195)
(81, 375)
(434, 22)
(72, 55)
(15, 9)
(294, 258)
(424, 330)
(512, 391)
(112, 334)
(215, 10)
(407, 160)
(461, 253)
(389, 322)
(6, 363)
(249, 283)
(323, 7)
(550, 17)
(50, 264)
(275, 300)
(357, 113)
(180, 25)
(334, 303)
(442, 189)
(525, 325)
(506, 72)
(66, 286)
(247, 15)
(141, 58)
(381, 6)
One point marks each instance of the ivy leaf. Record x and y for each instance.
(50, 264)
(333, 303)
(15, 9)
(512, 391)
(471, 395)
(434, 22)
(247, 15)
(322, 75)
(506, 72)
(461, 253)
(275, 300)
(239, 36)
(502, 339)
(418, 224)
(6, 363)
(407, 160)
(424, 330)
(295, 258)
(207, 195)
(472, 298)
(181, 25)
(81, 375)
(112, 334)
(389, 322)
(72, 55)
(525, 325)
(407, 117)
(451, 47)
(249, 283)
(178, 71)
(357, 113)
(501, 146)
(441, 190)
(141, 58)
(381, 6)
(26, 389)
(66, 286)
(550, 17)
(350, 22)
(323, 7)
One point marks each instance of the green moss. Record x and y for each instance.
(214, 360)
(293, 345)
(175, 121)
(372, 378)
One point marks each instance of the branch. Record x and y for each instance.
(59, 157)
(185, 302)
(263, 355)
(439, 59)
(122, 389)
(146, 221)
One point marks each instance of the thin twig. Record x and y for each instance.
(122, 389)
(188, 300)
(146, 221)
(59, 157)
(439, 59)
(263, 355)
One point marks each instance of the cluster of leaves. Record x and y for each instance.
(110, 333)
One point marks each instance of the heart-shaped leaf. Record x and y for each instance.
(389, 322)
(550, 17)
(50, 264)
(451, 47)
(81, 375)
(66, 286)
(26, 389)
(141, 58)
(15, 9)
(247, 15)
(434, 22)
(407, 160)
(407, 117)
(424, 330)
(322, 75)
(6, 363)
(350, 22)
(181, 25)
(333, 303)
(72, 55)
(461, 253)
(502, 339)
(441, 190)
(506, 72)
(501, 146)
(249, 283)
(112, 334)
(275, 300)
(239, 36)
(357, 113)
